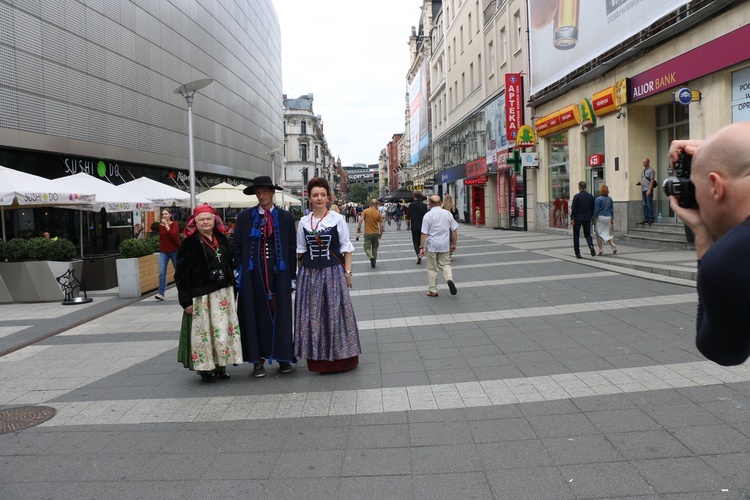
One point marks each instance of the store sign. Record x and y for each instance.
(530, 160)
(476, 168)
(713, 56)
(588, 118)
(741, 96)
(685, 96)
(513, 104)
(561, 119)
(596, 160)
(477, 181)
(604, 102)
(525, 137)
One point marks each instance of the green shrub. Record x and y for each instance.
(16, 250)
(61, 249)
(38, 248)
(132, 248)
(2, 250)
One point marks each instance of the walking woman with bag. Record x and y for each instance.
(604, 215)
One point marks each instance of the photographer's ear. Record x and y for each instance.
(718, 186)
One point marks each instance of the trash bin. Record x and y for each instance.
(100, 271)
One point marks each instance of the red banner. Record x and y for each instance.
(513, 104)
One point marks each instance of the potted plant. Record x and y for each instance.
(138, 268)
(29, 269)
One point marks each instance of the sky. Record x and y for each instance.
(353, 56)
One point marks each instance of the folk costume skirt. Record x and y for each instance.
(210, 337)
(325, 329)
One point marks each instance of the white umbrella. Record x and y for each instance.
(21, 189)
(159, 193)
(224, 195)
(108, 196)
(288, 199)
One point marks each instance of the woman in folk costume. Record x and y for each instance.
(326, 333)
(210, 336)
(263, 246)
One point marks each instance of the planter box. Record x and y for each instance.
(35, 281)
(100, 271)
(137, 276)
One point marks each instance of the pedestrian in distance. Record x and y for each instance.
(374, 229)
(210, 335)
(477, 216)
(648, 184)
(325, 327)
(169, 243)
(417, 211)
(398, 215)
(264, 249)
(719, 216)
(581, 213)
(439, 238)
(604, 220)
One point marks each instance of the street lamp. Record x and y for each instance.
(272, 154)
(188, 91)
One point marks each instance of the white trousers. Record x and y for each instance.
(435, 261)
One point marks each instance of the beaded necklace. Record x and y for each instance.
(213, 244)
(314, 227)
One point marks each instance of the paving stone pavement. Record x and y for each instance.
(544, 377)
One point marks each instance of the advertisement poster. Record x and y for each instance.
(496, 139)
(418, 131)
(567, 34)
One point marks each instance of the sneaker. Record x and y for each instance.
(159, 296)
(285, 367)
(372, 262)
(452, 287)
(259, 370)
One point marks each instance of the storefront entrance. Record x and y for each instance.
(672, 123)
(511, 199)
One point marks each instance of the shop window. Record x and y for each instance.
(559, 179)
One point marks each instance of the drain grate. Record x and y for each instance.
(23, 417)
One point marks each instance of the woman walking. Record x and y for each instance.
(210, 333)
(604, 215)
(326, 333)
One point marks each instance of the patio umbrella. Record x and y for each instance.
(224, 195)
(21, 189)
(108, 196)
(159, 193)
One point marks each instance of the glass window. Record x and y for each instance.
(303, 127)
(559, 179)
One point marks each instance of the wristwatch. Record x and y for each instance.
(349, 273)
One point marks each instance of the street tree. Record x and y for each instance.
(358, 193)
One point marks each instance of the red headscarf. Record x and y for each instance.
(190, 226)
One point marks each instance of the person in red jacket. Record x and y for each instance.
(169, 242)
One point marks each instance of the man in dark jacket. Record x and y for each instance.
(581, 213)
(415, 212)
(264, 248)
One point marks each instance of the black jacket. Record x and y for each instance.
(194, 264)
(416, 212)
(582, 209)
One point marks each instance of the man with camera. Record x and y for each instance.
(711, 195)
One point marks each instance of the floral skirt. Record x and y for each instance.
(210, 337)
(325, 328)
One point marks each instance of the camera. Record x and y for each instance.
(679, 184)
(218, 276)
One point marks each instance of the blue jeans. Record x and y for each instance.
(648, 206)
(164, 258)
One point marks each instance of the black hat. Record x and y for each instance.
(260, 181)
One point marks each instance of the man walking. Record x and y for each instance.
(264, 247)
(647, 183)
(581, 213)
(438, 240)
(373, 230)
(416, 212)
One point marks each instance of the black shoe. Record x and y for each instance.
(207, 377)
(258, 370)
(285, 367)
(578, 256)
(372, 262)
(221, 375)
(419, 259)
(452, 287)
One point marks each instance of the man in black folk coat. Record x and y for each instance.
(264, 248)
(581, 212)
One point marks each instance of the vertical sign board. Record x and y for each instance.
(741, 96)
(513, 104)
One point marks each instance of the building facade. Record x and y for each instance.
(90, 86)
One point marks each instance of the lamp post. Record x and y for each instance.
(272, 154)
(188, 91)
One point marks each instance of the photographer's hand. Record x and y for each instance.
(692, 219)
(689, 146)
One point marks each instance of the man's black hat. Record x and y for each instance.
(260, 181)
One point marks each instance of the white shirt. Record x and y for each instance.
(437, 225)
(330, 220)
